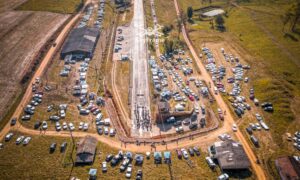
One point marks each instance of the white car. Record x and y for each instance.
(62, 113)
(26, 140)
(112, 132)
(223, 177)
(85, 126)
(106, 130)
(128, 171)
(57, 126)
(71, 127)
(64, 126)
(184, 153)
(44, 125)
(20, 139)
(234, 127)
(196, 109)
(80, 125)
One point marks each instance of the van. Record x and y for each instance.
(210, 162)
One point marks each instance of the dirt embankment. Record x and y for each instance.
(22, 35)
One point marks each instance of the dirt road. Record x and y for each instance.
(228, 118)
(28, 94)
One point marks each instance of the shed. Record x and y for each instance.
(86, 149)
(80, 43)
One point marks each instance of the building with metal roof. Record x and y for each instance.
(230, 155)
(288, 168)
(86, 149)
(81, 43)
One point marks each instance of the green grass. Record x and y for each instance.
(34, 162)
(57, 6)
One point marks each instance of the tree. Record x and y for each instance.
(169, 46)
(220, 21)
(166, 29)
(292, 16)
(190, 12)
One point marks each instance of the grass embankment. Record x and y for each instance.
(122, 82)
(35, 162)
(57, 6)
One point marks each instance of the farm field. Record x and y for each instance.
(61, 6)
(23, 35)
(256, 31)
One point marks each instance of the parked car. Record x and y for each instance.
(57, 126)
(197, 151)
(44, 125)
(13, 121)
(128, 171)
(184, 153)
(9, 136)
(80, 125)
(20, 140)
(109, 157)
(52, 147)
(179, 154)
(210, 162)
(85, 126)
(104, 166)
(234, 127)
(26, 117)
(223, 177)
(37, 124)
(191, 151)
(71, 127)
(139, 175)
(64, 126)
(99, 130)
(26, 141)
(63, 146)
(112, 132)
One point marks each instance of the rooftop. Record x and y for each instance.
(231, 155)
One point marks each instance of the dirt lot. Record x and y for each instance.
(22, 35)
(8, 5)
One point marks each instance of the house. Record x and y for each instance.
(86, 149)
(157, 157)
(80, 43)
(288, 168)
(230, 155)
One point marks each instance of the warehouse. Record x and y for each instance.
(230, 155)
(80, 43)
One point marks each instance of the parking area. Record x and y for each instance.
(122, 49)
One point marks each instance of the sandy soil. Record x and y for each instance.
(22, 35)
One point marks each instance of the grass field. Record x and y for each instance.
(57, 6)
(35, 162)
(256, 30)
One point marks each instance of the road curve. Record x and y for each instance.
(228, 118)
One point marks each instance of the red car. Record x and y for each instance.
(191, 97)
(188, 82)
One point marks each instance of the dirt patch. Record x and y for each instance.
(8, 5)
(22, 35)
